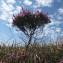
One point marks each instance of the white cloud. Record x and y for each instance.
(5, 7)
(51, 33)
(10, 1)
(58, 29)
(56, 18)
(60, 10)
(44, 2)
(34, 6)
(27, 2)
(17, 9)
(4, 16)
(6, 10)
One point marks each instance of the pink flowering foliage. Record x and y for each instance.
(27, 20)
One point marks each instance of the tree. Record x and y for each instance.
(28, 22)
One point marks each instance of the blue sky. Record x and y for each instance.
(54, 8)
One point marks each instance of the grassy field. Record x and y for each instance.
(36, 53)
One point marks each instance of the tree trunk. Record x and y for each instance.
(29, 42)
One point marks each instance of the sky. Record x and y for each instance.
(52, 31)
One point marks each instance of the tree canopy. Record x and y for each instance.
(28, 22)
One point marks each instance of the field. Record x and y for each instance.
(36, 53)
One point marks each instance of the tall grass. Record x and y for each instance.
(36, 53)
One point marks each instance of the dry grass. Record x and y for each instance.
(36, 53)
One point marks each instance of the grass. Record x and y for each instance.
(36, 53)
